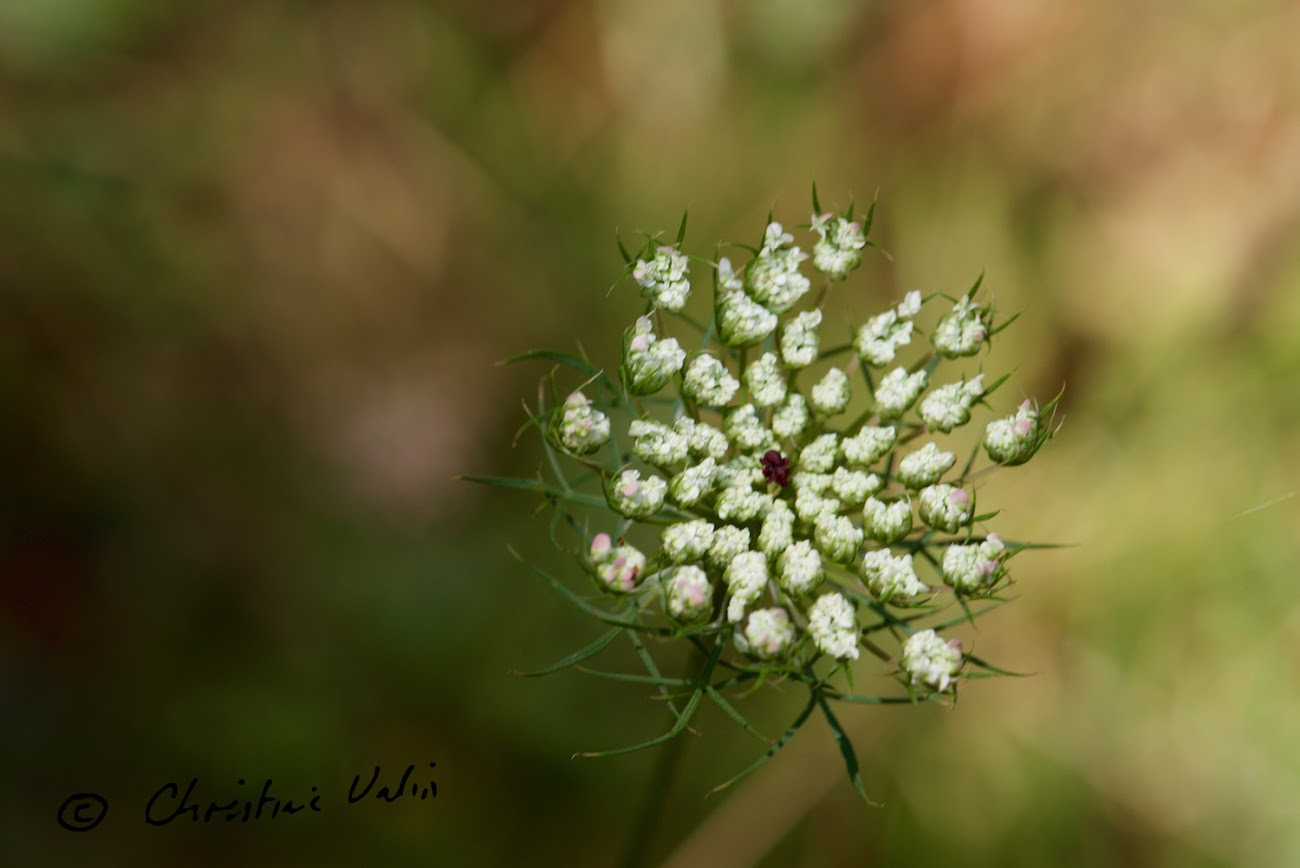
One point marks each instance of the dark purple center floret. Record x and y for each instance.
(776, 468)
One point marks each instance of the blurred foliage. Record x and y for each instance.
(257, 260)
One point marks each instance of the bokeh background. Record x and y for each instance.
(257, 262)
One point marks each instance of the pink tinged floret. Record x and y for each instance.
(995, 539)
(641, 343)
(695, 595)
(959, 497)
(630, 488)
(1023, 427)
(600, 544)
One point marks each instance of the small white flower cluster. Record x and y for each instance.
(961, 332)
(924, 467)
(746, 577)
(944, 507)
(688, 487)
(975, 568)
(948, 406)
(663, 279)
(931, 661)
(831, 396)
(887, 522)
(892, 579)
(664, 447)
(838, 250)
(687, 542)
(618, 568)
(743, 322)
(767, 635)
(898, 390)
(745, 430)
(773, 278)
(708, 382)
(631, 496)
(799, 341)
(766, 381)
(878, 341)
(580, 428)
(690, 596)
(832, 626)
(791, 417)
(649, 363)
(1013, 440)
(869, 445)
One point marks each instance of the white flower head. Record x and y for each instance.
(961, 332)
(930, 660)
(925, 466)
(892, 579)
(1013, 440)
(819, 455)
(727, 277)
(687, 541)
(777, 532)
(766, 381)
(728, 542)
(746, 577)
(869, 445)
(773, 278)
(853, 487)
(742, 504)
(617, 568)
(658, 444)
(897, 391)
(831, 395)
(708, 381)
(809, 505)
(579, 427)
(688, 487)
(663, 279)
(887, 521)
(878, 341)
(837, 537)
(745, 430)
(703, 439)
(837, 252)
(649, 363)
(767, 634)
(690, 596)
(833, 626)
(631, 496)
(944, 507)
(975, 568)
(791, 417)
(799, 568)
(799, 341)
(948, 406)
(910, 306)
(743, 322)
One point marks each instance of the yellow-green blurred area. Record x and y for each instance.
(257, 262)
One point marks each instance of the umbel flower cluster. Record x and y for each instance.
(786, 495)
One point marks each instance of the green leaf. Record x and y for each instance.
(676, 729)
(991, 668)
(871, 215)
(633, 678)
(627, 257)
(846, 748)
(681, 230)
(731, 712)
(871, 700)
(583, 605)
(991, 389)
(578, 656)
(578, 364)
(1005, 323)
(771, 751)
(817, 206)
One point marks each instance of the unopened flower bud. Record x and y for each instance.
(663, 279)
(891, 579)
(930, 660)
(773, 278)
(766, 381)
(819, 455)
(869, 445)
(687, 541)
(708, 382)
(777, 532)
(658, 444)
(944, 507)
(745, 430)
(961, 332)
(853, 487)
(649, 363)
(975, 568)
(1013, 440)
(831, 395)
(878, 341)
(833, 627)
(897, 391)
(799, 341)
(631, 496)
(809, 505)
(791, 417)
(688, 487)
(887, 522)
(690, 596)
(767, 635)
(837, 537)
(728, 542)
(704, 440)
(741, 505)
(838, 250)
(948, 406)
(743, 322)
(925, 466)
(617, 568)
(799, 568)
(579, 427)
(746, 577)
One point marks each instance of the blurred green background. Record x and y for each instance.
(257, 261)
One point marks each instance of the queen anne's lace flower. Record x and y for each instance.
(745, 430)
(773, 278)
(687, 542)
(634, 497)
(832, 626)
(853, 487)
(799, 341)
(837, 537)
(931, 661)
(767, 635)
(961, 332)
(777, 532)
(746, 577)
(580, 428)
(819, 455)
(974, 569)
(891, 579)
(831, 395)
(658, 444)
(741, 504)
(688, 487)
(897, 391)
(869, 445)
(766, 381)
(948, 406)
(925, 466)
(690, 596)
(704, 440)
(799, 568)
(618, 568)
(648, 362)
(1013, 440)
(792, 417)
(663, 279)
(708, 382)
(743, 322)
(944, 507)
(728, 542)
(887, 522)
(839, 249)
